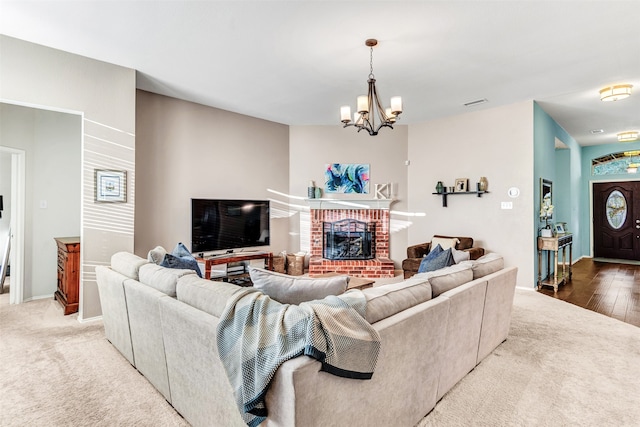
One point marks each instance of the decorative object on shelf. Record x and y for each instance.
(483, 184)
(439, 187)
(546, 210)
(346, 178)
(462, 185)
(311, 190)
(382, 191)
(616, 92)
(546, 232)
(558, 227)
(318, 193)
(369, 106)
(110, 186)
(451, 189)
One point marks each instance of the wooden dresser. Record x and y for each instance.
(68, 273)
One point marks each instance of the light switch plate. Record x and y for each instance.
(506, 205)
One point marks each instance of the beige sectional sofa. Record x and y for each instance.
(434, 328)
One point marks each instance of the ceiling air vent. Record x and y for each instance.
(476, 102)
(597, 131)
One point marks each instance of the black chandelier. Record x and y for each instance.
(369, 106)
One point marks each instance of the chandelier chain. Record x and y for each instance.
(371, 76)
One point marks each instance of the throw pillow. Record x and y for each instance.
(445, 242)
(172, 261)
(427, 258)
(442, 260)
(181, 251)
(295, 289)
(180, 257)
(459, 256)
(156, 255)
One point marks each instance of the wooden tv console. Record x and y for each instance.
(235, 257)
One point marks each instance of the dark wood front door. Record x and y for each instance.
(616, 220)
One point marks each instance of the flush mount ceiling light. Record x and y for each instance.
(615, 93)
(628, 136)
(369, 106)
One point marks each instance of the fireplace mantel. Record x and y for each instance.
(323, 204)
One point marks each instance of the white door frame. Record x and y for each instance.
(18, 190)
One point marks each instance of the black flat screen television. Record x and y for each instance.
(228, 224)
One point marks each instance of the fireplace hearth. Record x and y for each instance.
(348, 239)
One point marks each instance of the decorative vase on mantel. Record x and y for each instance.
(439, 187)
(483, 184)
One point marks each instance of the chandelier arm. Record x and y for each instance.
(381, 113)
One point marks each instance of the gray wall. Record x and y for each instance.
(104, 94)
(51, 141)
(186, 150)
(496, 143)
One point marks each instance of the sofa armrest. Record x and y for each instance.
(418, 251)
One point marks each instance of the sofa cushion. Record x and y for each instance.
(156, 255)
(295, 289)
(387, 300)
(127, 264)
(444, 242)
(206, 295)
(486, 264)
(161, 278)
(447, 278)
(441, 260)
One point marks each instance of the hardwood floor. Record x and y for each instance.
(608, 288)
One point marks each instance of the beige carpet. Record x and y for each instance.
(561, 366)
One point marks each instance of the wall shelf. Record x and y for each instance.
(459, 193)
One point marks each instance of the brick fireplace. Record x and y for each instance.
(375, 213)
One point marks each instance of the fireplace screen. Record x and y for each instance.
(348, 239)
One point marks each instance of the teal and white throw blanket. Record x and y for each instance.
(257, 334)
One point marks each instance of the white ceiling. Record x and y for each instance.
(297, 62)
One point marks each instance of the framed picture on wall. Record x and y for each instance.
(462, 185)
(110, 186)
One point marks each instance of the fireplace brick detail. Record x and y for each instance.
(379, 267)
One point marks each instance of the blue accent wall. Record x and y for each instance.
(563, 167)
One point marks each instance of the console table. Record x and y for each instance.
(555, 245)
(235, 257)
